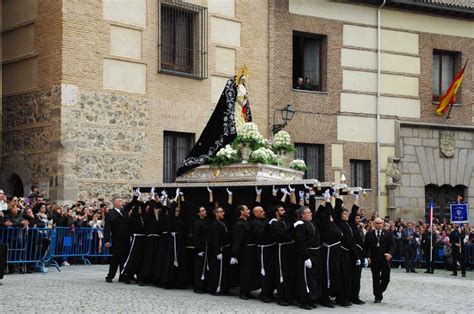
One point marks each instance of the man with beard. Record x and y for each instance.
(359, 257)
(266, 253)
(244, 253)
(380, 247)
(200, 239)
(219, 254)
(281, 231)
(331, 237)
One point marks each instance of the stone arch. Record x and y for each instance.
(16, 168)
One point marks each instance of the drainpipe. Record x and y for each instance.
(377, 135)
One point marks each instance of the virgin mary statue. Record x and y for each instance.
(231, 113)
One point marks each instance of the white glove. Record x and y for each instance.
(164, 193)
(308, 264)
(358, 262)
(290, 188)
(272, 221)
(336, 192)
(209, 189)
(327, 195)
(152, 192)
(178, 190)
(228, 191)
(299, 222)
(366, 262)
(201, 254)
(173, 233)
(219, 256)
(137, 192)
(274, 191)
(234, 261)
(355, 196)
(301, 195)
(258, 191)
(306, 198)
(285, 191)
(306, 187)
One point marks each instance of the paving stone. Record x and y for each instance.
(83, 289)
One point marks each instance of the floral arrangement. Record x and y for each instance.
(225, 156)
(298, 164)
(263, 155)
(249, 135)
(282, 143)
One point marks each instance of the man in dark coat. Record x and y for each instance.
(428, 244)
(117, 237)
(409, 236)
(244, 253)
(456, 238)
(307, 259)
(359, 259)
(201, 247)
(380, 247)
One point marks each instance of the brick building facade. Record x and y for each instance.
(89, 105)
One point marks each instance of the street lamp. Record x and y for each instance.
(287, 114)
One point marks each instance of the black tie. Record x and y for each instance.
(378, 234)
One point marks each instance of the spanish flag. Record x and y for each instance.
(450, 97)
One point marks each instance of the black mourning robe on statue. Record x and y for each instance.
(219, 131)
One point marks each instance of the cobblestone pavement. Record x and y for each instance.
(83, 289)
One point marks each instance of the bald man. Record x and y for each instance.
(380, 247)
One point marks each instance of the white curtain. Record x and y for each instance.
(311, 62)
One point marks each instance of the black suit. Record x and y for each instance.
(457, 248)
(117, 228)
(376, 248)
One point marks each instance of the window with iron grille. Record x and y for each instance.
(445, 66)
(309, 61)
(183, 39)
(360, 173)
(313, 155)
(176, 147)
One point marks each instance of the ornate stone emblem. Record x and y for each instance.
(446, 143)
(393, 170)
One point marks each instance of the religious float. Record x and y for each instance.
(232, 155)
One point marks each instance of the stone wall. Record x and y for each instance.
(422, 163)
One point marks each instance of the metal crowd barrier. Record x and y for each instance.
(30, 246)
(40, 247)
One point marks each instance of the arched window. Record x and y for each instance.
(442, 197)
(16, 185)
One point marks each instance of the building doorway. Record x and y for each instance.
(442, 197)
(16, 186)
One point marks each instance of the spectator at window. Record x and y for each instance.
(299, 83)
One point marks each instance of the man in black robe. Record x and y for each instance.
(244, 253)
(456, 238)
(219, 254)
(201, 258)
(359, 259)
(380, 247)
(152, 232)
(266, 253)
(307, 259)
(174, 268)
(282, 232)
(331, 237)
(343, 296)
